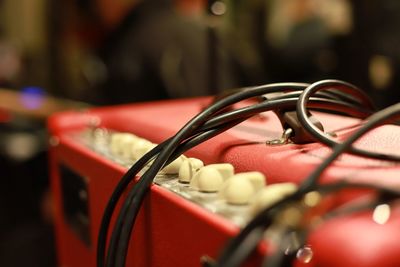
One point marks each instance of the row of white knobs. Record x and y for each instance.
(236, 189)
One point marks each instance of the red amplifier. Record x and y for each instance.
(177, 224)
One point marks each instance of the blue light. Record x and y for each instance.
(32, 97)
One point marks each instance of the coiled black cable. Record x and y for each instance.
(118, 247)
(323, 138)
(127, 220)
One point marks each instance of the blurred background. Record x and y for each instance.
(68, 54)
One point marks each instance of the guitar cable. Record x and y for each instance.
(209, 123)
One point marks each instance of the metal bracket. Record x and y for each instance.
(285, 138)
(288, 119)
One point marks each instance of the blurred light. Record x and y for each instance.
(381, 214)
(21, 146)
(218, 8)
(380, 72)
(32, 97)
(291, 217)
(305, 254)
(312, 199)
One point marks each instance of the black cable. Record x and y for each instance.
(372, 122)
(330, 93)
(127, 220)
(115, 196)
(317, 133)
(264, 218)
(172, 143)
(317, 103)
(135, 205)
(350, 98)
(340, 90)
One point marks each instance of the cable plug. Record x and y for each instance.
(299, 135)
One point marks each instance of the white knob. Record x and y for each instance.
(257, 179)
(237, 190)
(173, 167)
(207, 179)
(188, 168)
(140, 147)
(127, 142)
(225, 169)
(196, 163)
(186, 171)
(114, 143)
(272, 194)
(120, 141)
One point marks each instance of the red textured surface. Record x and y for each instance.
(356, 240)
(174, 232)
